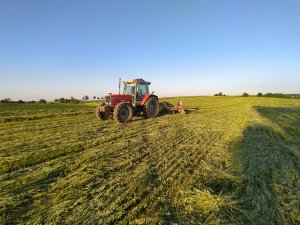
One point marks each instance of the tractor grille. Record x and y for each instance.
(108, 99)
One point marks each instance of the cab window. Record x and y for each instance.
(142, 90)
(129, 90)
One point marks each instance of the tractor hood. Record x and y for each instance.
(114, 99)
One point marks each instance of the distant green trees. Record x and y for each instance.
(74, 100)
(66, 100)
(274, 95)
(85, 98)
(60, 100)
(6, 100)
(271, 95)
(219, 94)
(42, 101)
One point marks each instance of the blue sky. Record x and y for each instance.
(51, 49)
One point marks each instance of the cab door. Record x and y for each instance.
(142, 90)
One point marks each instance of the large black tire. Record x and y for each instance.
(151, 108)
(123, 112)
(101, 115)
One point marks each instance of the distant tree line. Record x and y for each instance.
(269, 95)
(75, 100)
(277, 95)
(272, 95)
(67, 100)
(58, 100)
(8, 100)
(85, 98)
(219, 94)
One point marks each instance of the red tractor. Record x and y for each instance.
(135, 100)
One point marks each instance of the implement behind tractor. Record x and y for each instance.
(135, 101)
(170, 108)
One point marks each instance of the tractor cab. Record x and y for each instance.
(138, 88)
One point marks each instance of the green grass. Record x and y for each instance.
(234, 161)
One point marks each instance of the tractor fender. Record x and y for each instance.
(146, 97)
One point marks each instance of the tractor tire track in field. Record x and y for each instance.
(173, 169)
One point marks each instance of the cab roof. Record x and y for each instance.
(138, 80)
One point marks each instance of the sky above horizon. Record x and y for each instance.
(52, 49)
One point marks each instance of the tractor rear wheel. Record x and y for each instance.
(151, 107)
(123, 112)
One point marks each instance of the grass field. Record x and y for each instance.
(234, 161)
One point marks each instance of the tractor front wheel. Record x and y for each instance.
(100, 114)
(151, 108)
(123, 112)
